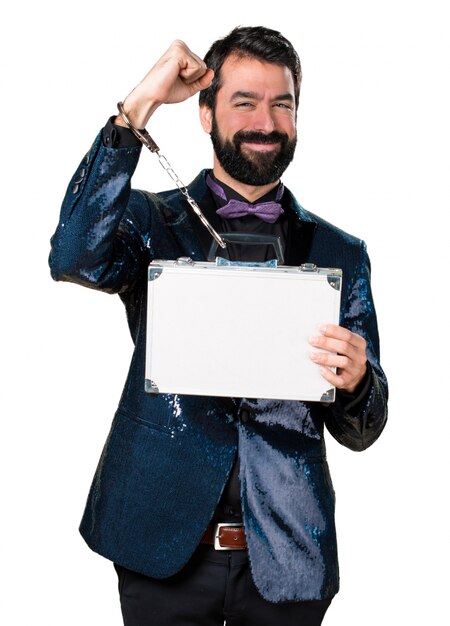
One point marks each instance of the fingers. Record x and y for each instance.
(175, 77)
(184, 67)
(342, 379)
(206, 80)
(341, 340)
(327, 359)
(192, 67)
(344, 351)
(339, 333)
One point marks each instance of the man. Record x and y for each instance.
(175, 466)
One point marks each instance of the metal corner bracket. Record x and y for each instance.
(328, 396)
(154, 272)
(151, 387)
(334, 281)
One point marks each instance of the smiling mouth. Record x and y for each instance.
(260, 147)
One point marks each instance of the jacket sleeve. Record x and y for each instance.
(103, 236)
(357, 424)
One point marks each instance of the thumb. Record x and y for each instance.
(203, 82)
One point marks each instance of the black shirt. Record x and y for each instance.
(229, 507)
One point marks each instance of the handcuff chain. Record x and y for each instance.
(149, 143)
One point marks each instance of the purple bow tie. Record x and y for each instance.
(266, 211)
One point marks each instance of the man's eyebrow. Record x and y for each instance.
(285, 96)
(245, 94)
(253, 95)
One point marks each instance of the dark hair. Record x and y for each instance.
(253, 42)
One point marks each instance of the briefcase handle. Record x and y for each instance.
(248, 238)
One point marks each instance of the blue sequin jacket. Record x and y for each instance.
(173, 453)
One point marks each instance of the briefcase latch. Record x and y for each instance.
(308, 267)
(184, 260)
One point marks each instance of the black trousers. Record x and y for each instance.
(214, 587)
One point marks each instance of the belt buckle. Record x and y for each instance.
(216, 531)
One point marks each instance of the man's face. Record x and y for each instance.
(252, 127)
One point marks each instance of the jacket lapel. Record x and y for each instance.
(301, 229)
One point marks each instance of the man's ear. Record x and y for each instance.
(206, 116)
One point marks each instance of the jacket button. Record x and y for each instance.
(75, 188)
(80, 177)
(244, 415)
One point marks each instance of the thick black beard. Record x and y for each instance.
(261, 168)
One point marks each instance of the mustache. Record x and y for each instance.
(253, 136)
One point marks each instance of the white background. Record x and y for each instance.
(373, 157)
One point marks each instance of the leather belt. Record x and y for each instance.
(225, 536)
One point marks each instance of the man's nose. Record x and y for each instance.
(263, 119)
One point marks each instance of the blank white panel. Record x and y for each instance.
(238, 331)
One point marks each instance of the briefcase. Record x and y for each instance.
(238, 330)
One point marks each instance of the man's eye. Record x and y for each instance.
(283, 105)
(244, 104)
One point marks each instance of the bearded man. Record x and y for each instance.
(219, 509)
